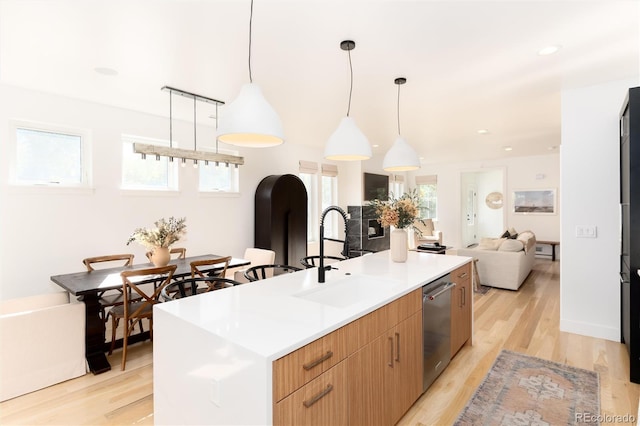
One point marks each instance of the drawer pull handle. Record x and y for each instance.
(318, 397)
(318, 361)
(397, 347)
(390, 363)
(463, 275)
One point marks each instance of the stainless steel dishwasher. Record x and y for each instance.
(436, 327)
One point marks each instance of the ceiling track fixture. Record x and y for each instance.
(250, 121)
(348, 143)
(187, 154)
(401, 157)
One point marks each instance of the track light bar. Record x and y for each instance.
(191, 95)
(165, 151)
(187, 154)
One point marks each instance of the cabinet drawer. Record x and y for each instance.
(462, 273)
(299, 367)
(404, 307)
(367, 328)
(323, 401)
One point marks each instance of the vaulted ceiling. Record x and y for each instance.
(470, 65)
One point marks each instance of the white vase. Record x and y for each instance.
(398, 240)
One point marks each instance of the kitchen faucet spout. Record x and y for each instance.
(345, 249)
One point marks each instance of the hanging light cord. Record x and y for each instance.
(351, 85)
(170, 120)
(399, 110)
(250, 21)
(195, 145)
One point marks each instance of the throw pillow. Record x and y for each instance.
(512, 236)
(512, 231)
(511, 245)
(505, 235)
(490, 243)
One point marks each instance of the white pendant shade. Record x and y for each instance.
(401, 157)
(250, 121)
(348, 143)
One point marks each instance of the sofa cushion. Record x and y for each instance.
(511, 245)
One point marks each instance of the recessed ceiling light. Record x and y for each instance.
(483, 131)
(508, 148)
(549, 50)
(105, 71)
(375, 145)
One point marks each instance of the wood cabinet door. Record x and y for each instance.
(366, 375)
(322, 402)
(461, 308)
(405, 384)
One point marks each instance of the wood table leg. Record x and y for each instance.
(476, 277)
(94, 335)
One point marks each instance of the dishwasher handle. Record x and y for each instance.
(445, 288)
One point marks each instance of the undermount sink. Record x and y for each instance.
(348, 291)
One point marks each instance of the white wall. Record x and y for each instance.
(519, 172)
(590, 286)
(48, 232)
(490, 221)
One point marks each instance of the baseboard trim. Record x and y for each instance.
(590, 329)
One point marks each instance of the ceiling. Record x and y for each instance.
(470, 65)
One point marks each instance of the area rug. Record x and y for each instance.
(525, 390)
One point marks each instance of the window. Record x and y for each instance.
(396, 185)
(428, 193)
(50, 155)
(150, 173)
(329, 197)
(308, 174)
(219, 177)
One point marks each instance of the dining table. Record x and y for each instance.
(88, 285)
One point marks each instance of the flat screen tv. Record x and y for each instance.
(376, 187)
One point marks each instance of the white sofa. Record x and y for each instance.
(42, 343)
(500, 263)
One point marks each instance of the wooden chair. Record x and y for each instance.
(196, 270)
(191, 286)
(109, 298)
(261, 272)
(134, 311)
(180, 251)
(313, 261)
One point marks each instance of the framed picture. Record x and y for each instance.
(534, 201)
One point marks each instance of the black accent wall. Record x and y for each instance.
(365, 234)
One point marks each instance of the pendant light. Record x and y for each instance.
(348, 143)
(401, 157)
(250, 121)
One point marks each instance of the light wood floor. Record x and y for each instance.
(524, 321)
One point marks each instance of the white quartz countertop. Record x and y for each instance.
(273, 317)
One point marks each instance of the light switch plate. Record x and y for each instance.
(586, 231)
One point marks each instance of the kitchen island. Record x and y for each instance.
(214, 353)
